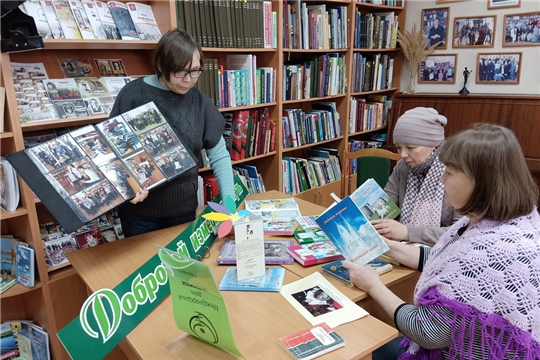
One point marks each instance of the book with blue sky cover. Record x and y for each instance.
(25, 265)
(351, 232)
(271, 281)
(374, 202)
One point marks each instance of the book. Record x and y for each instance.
(374, 202)
(335, 270)
(52, 19)
(123, 21)
(316, 253)
(56, 251)
(39, 340)
(275, 252)
(310, 236)
(9, 194)
(25, 265)
(76, 68)
(6, 284)
(81, 19)
(312, 342)
(8, 255)
(351, 232)
(35, 10)
(271, 281)
(277, 227)
(144, 21)
(91, 170)
(93, 18)
(66, 19)
(107, 21)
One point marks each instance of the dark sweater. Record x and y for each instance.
(197, 123)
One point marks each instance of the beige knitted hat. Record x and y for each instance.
(420, 126)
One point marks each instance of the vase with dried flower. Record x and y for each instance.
(414, 48)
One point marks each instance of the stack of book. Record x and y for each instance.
(23, 340)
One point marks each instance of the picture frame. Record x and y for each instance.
(474, 32)
(438, 69)
(503, 4)
(435, 25)
(498, 68)
(518, 32)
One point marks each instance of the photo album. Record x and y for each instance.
(89, 171)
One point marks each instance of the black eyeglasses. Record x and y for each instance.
(183, 73)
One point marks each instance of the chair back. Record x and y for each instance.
(371, 163)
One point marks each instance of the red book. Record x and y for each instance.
(239, 142)
(312, 342)
(315, 253)
(211, 184)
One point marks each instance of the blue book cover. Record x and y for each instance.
(25, 265)
(335, 270)
(374, 202)
(351, 232)
(271, 281)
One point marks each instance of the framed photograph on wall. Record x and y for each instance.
(522, 29)
(478, 31)
(500, 68)
(501, 4)
(435, 23)
(438, 68)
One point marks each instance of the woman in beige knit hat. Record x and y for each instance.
(414, 184)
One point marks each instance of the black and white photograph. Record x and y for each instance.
(69, 109)
(316, 301)
(522, 29)
(94, 105)
(502, 4)
(499, 68)
(435, 26)
(119, 134)
(91, 87)
(474, 31)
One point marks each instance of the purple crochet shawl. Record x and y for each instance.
(489, 277)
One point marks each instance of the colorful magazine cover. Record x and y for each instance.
(374, 202)
(271, 281)
(275, 252)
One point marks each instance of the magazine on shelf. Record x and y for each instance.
(123, 21)
(272, 280)
(275, 252)
(144, 21)
(89, 171)
(351, 232)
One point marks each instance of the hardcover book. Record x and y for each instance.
(316, 253)
(275, 252)
(89, 171)
(312, 342)
(351, 232)
(25, 265)
(271, 281)
(374, 202)
(335, 270)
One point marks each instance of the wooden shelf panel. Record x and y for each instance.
(324, 98)
(376, 50)
(368, 131)
(18, 289)
(6, 135)
(241, 50)
(70, 44)
(247, 107)
(373, 92)
(305, 146)
(378, 7)
(4, 215)
(58, 123)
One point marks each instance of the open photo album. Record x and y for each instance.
(89, 171)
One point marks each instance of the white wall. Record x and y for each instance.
(467, 57)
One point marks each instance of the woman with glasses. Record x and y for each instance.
(177, 62)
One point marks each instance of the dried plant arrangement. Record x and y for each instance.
(414, 48)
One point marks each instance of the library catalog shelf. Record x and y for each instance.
(305, 146)
(373, 92)
(6, 135)
(58, 123)
(4, 215)
(18, 289)
(70, 44)
(286, 102)
(246, 107)
(367, 131)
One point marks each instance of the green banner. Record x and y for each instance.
(198, 307)
(108, 316)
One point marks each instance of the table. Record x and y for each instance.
(258, 319)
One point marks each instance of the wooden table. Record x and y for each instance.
(258, 319)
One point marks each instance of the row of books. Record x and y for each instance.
(229, 23)
(368, 114)
(22, 339)
(302, 127)
(376, 30)
(372, 72)
(351, 166)
(325, 75)
(397, 3)
(250, 177)
(87, 19)
(314, 26)
(249, 133)
(18, 263)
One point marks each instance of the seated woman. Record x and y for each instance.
(414, 184)
(479, 293)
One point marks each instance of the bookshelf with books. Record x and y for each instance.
(324, 122)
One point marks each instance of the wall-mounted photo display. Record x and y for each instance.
(522, 29)
(435, 27)
(500, 68)
(474, 31)
(501, 4)
(438, 68)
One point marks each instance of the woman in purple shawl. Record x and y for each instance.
(479, 293)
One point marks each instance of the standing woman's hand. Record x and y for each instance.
(140, 196)
(391, 229)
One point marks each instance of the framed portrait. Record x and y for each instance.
(435, 23)
(499, 68)
(501, 4)
(478, 31)
(522, 29)
(438, 69)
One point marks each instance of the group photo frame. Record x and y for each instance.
(503, 4)
(474, 32)
(498, 68)
(522, 29)
(438, 69)
(435, 25)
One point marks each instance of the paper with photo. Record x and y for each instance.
(249, 237)
(319, 301)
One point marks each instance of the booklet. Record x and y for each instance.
(275, 252)
(312, 342)
(278, 215)
(374, 202)
(89, 171)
